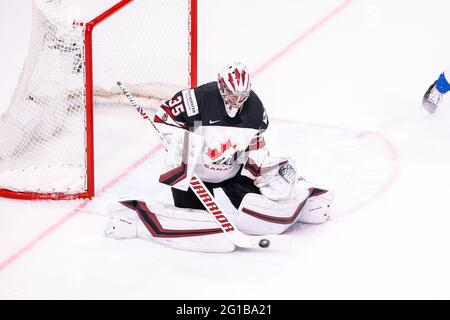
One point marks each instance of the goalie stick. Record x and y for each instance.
(207, 199)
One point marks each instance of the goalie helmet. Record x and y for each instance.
(234, 86)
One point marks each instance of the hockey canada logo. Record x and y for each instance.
(216, 153)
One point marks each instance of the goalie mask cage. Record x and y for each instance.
(78, 50)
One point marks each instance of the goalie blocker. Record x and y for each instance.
(196, 230)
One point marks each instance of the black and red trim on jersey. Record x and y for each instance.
(157, 119)
(168, 111)
(165, 115)
(252, 167)
(256, 144)
(153, 225)
(257, 171)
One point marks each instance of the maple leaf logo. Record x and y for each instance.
(216, 153)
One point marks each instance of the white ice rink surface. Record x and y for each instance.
(342, 82)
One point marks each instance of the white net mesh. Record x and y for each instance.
(155, 66)
(43, 132)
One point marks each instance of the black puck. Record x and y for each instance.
(264, 243)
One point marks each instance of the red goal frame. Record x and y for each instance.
(89, 83)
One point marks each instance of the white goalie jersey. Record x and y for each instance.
(203, 137)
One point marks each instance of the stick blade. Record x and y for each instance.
(271, 242)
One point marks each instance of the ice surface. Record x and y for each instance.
(344, 102)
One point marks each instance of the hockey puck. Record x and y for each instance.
(264, 243)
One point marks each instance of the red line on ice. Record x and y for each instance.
(52, 228)
(394, 173)
(390, 147)
(303, 36)
(4, 264)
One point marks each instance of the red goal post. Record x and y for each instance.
(78, 50)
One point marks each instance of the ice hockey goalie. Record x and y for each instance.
(217, 131)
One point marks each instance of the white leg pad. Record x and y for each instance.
(121, 222)
(258, 215)
(184, 229)
(317, 208)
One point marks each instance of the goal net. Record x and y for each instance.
(79, 49)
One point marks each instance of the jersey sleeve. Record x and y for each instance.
(256, 152)
(174, 119)
(178, 113)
